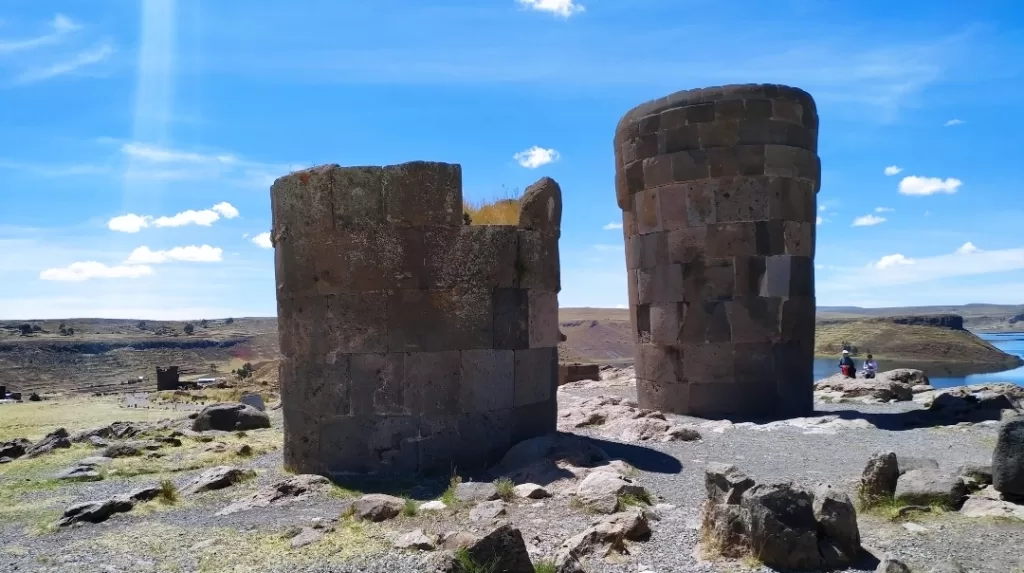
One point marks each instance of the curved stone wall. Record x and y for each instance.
(410, 341)
(718, 189)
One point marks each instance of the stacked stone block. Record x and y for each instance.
(411, 342)
(718, 191)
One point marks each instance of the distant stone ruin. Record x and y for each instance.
(576, 371)
(167, 378)
(411, 342)
(718, 191)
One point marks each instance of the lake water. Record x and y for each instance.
(946, 375)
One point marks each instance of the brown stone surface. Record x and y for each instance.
(718, 190)
(411, 342)
(576, 371)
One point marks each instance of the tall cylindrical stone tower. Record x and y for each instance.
(411, 342)
(718, 191)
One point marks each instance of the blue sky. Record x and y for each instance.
(138, 139)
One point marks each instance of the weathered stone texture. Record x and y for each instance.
(718, 191)
(411, 342)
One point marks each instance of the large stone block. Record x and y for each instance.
(536, 373)
(543, 319)
(511, 319)
(377, 385)
(484, 256)
(357, 196)
(541, 207)
(487, 380)
(432, 383)
(422, 193)
(440, 319)
(537, 266)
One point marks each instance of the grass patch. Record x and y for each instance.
(193, 455)
(506, 488)
(205, 396)
(469, 565)
(448, 497)
(545, 566)
(33, 420)
(634, 500)
(410, 509)
(898, 509)
(503, 210)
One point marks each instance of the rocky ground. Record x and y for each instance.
(176, 503)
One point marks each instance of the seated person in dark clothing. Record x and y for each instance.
(846, 365)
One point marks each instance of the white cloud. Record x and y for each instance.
(822, 208)
(563, 8)
(191, 254)
(61, 25)
(263, 240)
(884, 209)
(868, 221)
(158, 154)
(83, 271)
(914, 185)
(203, 218)
(953, 122)
(967, 248)
(820, 220)
(612, 226)
(225, 209)
(893, 170)
(129, 223)
(535, 156)
(89, 57)
(889, 261)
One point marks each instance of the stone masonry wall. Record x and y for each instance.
(718, 191)
(411, 342)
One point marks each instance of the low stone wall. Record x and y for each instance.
(576, 371)
(411, 342)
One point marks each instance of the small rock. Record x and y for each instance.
(476, 492)
(910, 463)
(218, 478)
(889, 565)
(85, 470)
(14, 448)
(607, 536)
(122, 450)
(97, 442)
(456, 540)
(94, 511)
(487, 510)
(531, 491)
(57, 439)
(725, 483)
(880, 475)
(1008, 458)
(837, 519)
(914, 527)
(378, 507)
(171, 441)
(976, 506)
(143, 494)
(306, 536)
(244, 450)
(436, 505)
(415, 539)
(600, 491)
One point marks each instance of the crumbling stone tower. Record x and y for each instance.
(718, 191)
(411, 342)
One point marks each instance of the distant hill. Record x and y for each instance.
(978, 317)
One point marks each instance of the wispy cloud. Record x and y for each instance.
(868, 221)
(884, 209)
(953, 122)
(535, 156)
(94, 55)
(893, 170)
(914, 185)
(263, 241)
(612, 226)
(132, 223)
(83, 271)
(563, 8)
(149, 162)
(157, 154)
(59, 27)
(900, 269)
(820, 220)
(192, 254)
(889, 261)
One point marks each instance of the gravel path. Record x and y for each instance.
(190, 538)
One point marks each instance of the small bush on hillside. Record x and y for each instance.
(189, 328)
(26, 329)
(229, 321)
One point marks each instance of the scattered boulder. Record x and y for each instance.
(884, 387)
(1008, 458)
(436, 505)
(84, 470)
(218, 478)
(926, 487)
(97, 442)
(33, 397)
(142, 494)
(531, 491)
(94, 511)
(890, 565)
(621, 419)
(230, 417)
(115, 431)
(782, 528)
(455, 540)
(503, 549)
(880, 475)
(984, 506)
(604, 538)
(487, 510)
(725, 483)
(541, 206)
(14, 448)
(377, 507)
(129, 449)
(54, 440)
(472, 491)
(416, 539)
(975, 402)
(306, 536)
(837, 519)
(254, 400)
(6, 460)
(280, 493)
(600, 491)
(975, 476)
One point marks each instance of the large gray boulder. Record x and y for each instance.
(1008, 458)
(725, 483)
(503, 549)
(218, 478)
(837, 519)
(880, 476)
(600, 491)
(927, 486)
(377, 507)
(782, 528)
(14, 448)
(94, 511)
(52, 441)
(607, 536)
(230, 418)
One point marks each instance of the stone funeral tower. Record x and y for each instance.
(718, 189)
(411, 342)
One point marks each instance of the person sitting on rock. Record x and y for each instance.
(846, 365)
(870, 367)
